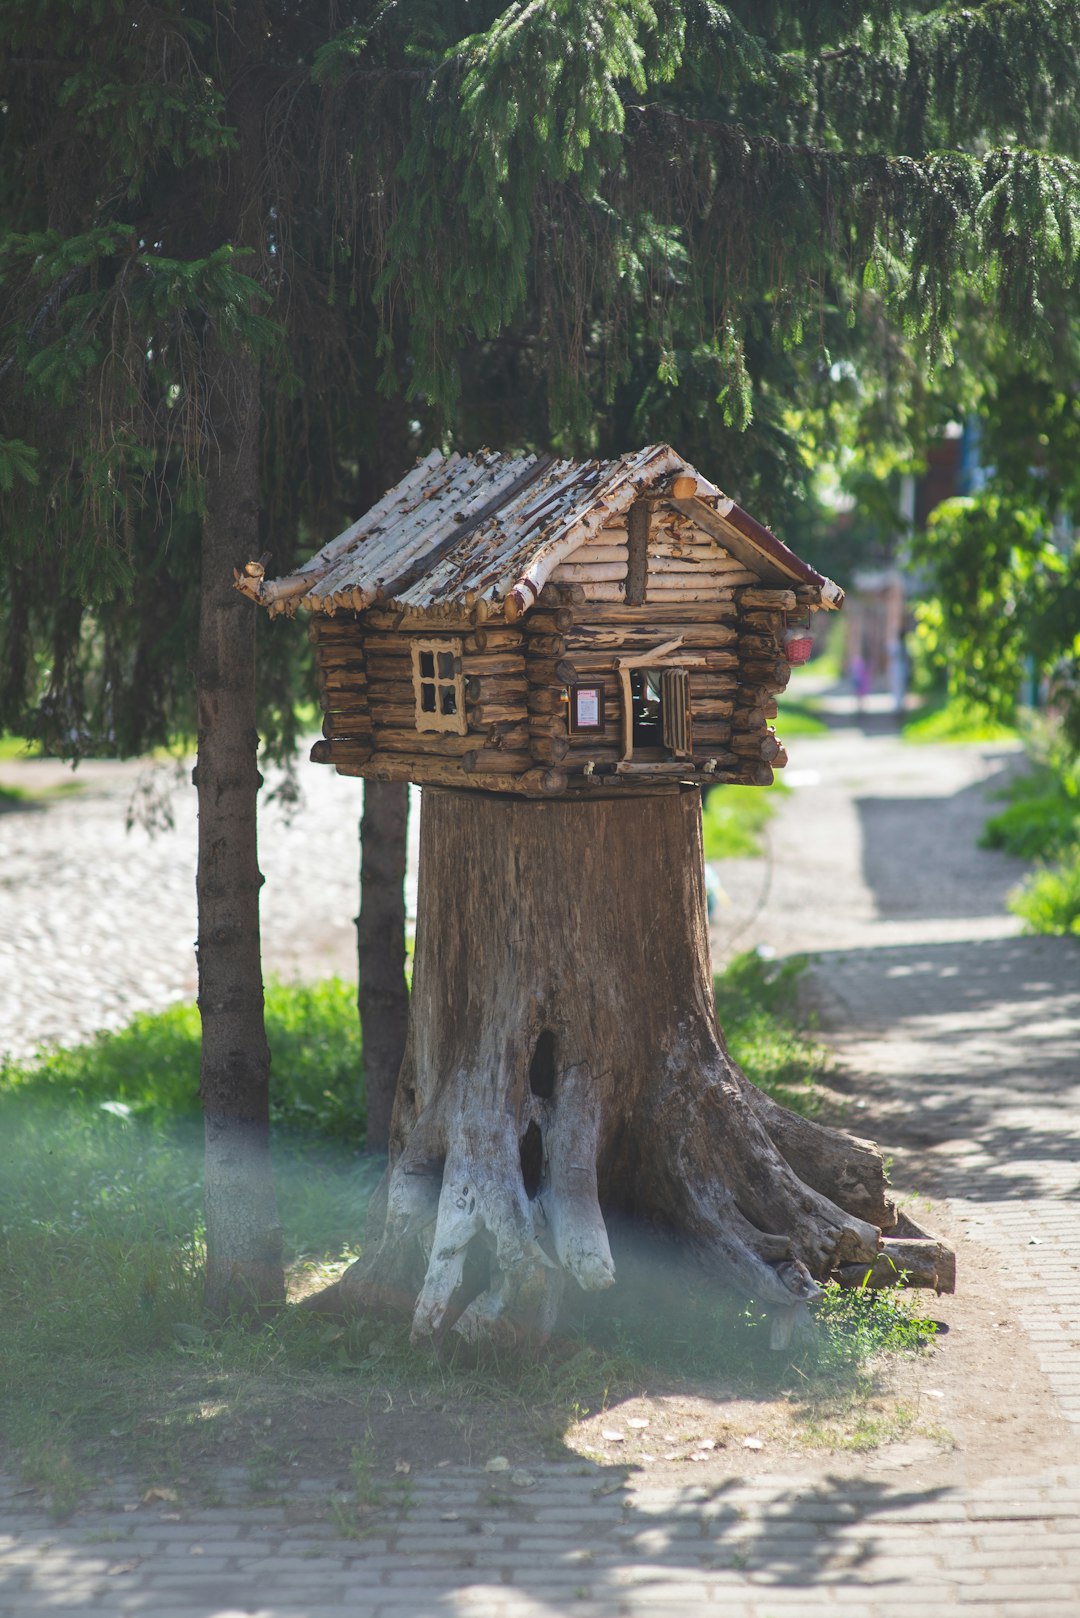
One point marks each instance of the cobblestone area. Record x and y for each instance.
(970, 1034)
(570, 1543)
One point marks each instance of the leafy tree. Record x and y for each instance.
(233, 233)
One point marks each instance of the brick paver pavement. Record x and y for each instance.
(972, 1036)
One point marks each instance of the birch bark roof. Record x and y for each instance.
(491, 527)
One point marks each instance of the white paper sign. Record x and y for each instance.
(588, 709)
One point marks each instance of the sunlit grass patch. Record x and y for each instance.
(955, 721)
(733, 819)
(757, 1008)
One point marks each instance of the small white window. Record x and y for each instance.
(438, 686)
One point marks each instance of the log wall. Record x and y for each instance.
(366, 684)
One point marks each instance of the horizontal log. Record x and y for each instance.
(720, 608)
(637, 637)
(691, 560)
(764, 671)
(537, 782)
(905, 1261)
(484, 760)
(766, 623)
(347, 724)
(390, 669)
(750, 719)
(720, 659)
(609, 593)
(663, 585)
(495, 713)
(549, 749)
(342, 626)
(589, 572)
(706, 732)
(553, 596)
(553, 621)
(491, 639)
(336, 752)
(506, 688)
(756, 645)
(551, 701)
(753, 745)
(440, 743)
(708, 709)
(604, 549)
(340, 655)
(493, 663)
(545, 646)
(778, 600)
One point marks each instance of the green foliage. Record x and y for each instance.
(733, 819)
(149, 1070)
(1043, 814)
(757, 1008)
(1049, 900)
(956, 720)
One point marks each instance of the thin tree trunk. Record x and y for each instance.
(382, 993)
(564, 1066)
(243, 1232)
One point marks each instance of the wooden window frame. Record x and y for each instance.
(437, 720)
(667, 655)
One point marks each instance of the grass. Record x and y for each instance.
(1041, 821)
(733, 819)
(955, 721)
(106, 1357)
(757, 1007)
(798, 719)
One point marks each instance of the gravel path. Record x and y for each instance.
(958, 1041)
(98, 921)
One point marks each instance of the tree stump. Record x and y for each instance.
(564, 1063)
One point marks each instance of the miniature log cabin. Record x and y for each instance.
(551, 628)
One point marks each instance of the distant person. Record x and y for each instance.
(859, 670)
(899, 671)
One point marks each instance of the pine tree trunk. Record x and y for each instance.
(382, 993)
(243, 1233)
(564, 1063)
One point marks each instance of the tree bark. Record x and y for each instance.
(382, 993)
(564, 1065)
(243, 1233)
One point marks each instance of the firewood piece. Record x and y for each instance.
(902, 1260)
(684, 486)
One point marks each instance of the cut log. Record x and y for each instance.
(564, 1065)
(904, 1262)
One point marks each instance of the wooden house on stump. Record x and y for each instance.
(552, 628)
(588, 644)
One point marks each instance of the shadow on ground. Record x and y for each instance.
(982, 1057)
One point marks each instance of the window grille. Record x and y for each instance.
(438, 686)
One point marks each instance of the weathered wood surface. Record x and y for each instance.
(542, 1089)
